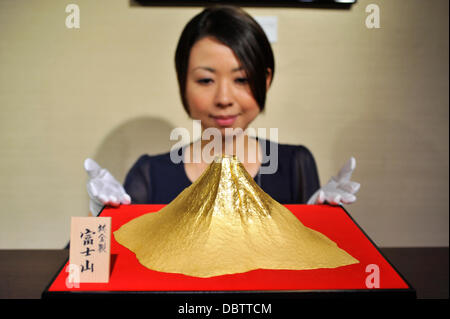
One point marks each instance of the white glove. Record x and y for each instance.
(103, 188)
(339, 190)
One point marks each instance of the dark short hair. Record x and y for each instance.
(236, 29)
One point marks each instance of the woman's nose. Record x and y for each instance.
(223, 96)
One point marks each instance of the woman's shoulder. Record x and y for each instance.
(155, 159)
(285, 148)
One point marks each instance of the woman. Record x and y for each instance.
(225, 67)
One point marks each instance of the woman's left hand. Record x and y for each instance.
(340, 189)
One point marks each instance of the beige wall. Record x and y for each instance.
(108, 91)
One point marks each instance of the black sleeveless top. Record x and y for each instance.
(157, 179)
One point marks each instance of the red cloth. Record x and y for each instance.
(127, 274)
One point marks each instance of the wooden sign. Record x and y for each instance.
(90, 250)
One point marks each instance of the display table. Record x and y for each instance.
(130, 279)
(25, 273)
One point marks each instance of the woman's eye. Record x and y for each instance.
(204, 81)
(242, 80)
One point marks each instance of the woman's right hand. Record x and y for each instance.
(340, 189)
(103, 188)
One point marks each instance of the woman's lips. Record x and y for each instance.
(225, 120)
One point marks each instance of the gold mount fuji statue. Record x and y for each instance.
(224, 223)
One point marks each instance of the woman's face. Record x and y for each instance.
(217, 91)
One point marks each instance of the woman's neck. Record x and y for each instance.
(244, 147)
(240, 145)
(201, 153)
